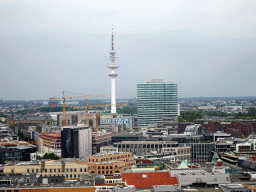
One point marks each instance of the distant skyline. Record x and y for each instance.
(207, 47)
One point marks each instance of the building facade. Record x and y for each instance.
(51, 143)
(108, 164)
(154, 99)
(76, 142)
(71, 170)
(160, 147)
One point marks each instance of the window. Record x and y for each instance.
(50, 170)
(45, 170)
(71, 170)
(27, 170)
(78, 175)
(98, 172)
(84, 169)
(74, 170)
(32, 170)
(74, 175)
(58, 170)
(37, 170)
(66, 176)
(70, 175)
(54, 170)
(12, 170)
(81, 170)
(66, 170)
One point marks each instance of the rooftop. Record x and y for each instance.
(146, 180)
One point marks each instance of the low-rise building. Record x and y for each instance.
(187, 179)
(159, 181)
(108, 164)
(16, 151)
(71, 170)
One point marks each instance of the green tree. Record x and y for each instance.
(252, 112)
(127, 110)
(12, 126)
(180, 119)
(51, 156)
(191, 115)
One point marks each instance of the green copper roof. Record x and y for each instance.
(182, 165)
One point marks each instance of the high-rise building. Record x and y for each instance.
(76, 142)
(155, 99)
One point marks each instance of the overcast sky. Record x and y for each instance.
(207, 47)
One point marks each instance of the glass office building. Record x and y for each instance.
(154, 99)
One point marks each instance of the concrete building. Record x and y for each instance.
(187, 179)
(154, 99)
(200, 152)
(144, 147)
(171, 123)
(159, 147)
(127, 136)
(114, 128)
(108, 164)
(108, 149)
(99, 139)
(120, 119)
(51, 143)
(71, 169)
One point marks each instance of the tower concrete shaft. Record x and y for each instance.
(113, 75)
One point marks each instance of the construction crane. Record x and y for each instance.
(71, 97)
(96, 114)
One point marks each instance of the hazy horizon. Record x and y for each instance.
(207, 47)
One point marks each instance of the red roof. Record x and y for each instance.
(146, 180)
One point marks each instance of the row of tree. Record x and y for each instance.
(49, 156)
(191, 115)
(127, 110)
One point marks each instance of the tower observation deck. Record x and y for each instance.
(113, 75)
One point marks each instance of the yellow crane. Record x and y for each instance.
(96, 114)
(71, 97)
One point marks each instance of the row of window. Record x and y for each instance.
(142, 145)
(9, 190)
(103, 172)
(53, 170)
(71, 176)
(71, 170)
(111, 158)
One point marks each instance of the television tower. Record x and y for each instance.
(113, 75)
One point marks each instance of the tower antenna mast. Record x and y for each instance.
(113, 74)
